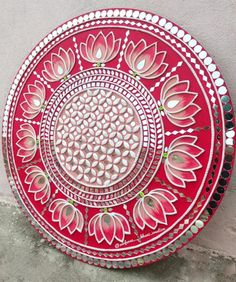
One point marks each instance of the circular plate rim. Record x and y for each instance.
(209, 209)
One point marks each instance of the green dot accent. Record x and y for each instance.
(141, 194)
(165, 155)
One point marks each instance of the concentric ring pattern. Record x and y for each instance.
(118, 137)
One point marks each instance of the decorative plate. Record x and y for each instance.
(118, 137)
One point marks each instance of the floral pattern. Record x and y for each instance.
(98, 141)
(59, 66)
(122, 112)
(38, 184)
(181, 160)
(34, 100)
(68, 216)
(177, 102)
(100, 49)
(108, 226)
(152, 209)
(144, 60)
(27, 142)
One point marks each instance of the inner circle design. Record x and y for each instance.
(98, 137)
(142, 138)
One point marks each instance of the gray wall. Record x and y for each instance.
(213, 22)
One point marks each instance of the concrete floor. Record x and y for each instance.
(25, 256)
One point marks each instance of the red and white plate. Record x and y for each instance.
(118, 137)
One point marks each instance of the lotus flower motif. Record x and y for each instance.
(67, 215)
(177, 102)
(39, 184)
(100, 49)
(27, 142)
(181, 160)
(34, 100)
(144, 60)
(59, 66)
(152, 209)
(108, 226)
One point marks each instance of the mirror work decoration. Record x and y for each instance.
(118, 138)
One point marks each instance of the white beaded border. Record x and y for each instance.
(135, 14)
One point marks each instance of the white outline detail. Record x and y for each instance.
(29, 132)
(167, 92)
(137, 214)
(174, 148)
(77, 53)
(87, 49)
(50, 73)
(139, 68)
(96, 222)
(37, 171)
(62, 204)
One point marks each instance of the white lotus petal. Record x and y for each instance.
(123, 169)
(86, 178)
(125, 153)
(58, 142)
(116, 168)
(136, 128)
(108, 166)
(134, 146)
(99, 181)
(114, 176)
(93, 179)
(132, 154)
(110, 151)
(79, 176)
(122, 110)
(74, 167)
(100, 173)
(63, 150)
(68, 159)
(117, 160)
(81, 161)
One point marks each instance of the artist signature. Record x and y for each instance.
(159, 230)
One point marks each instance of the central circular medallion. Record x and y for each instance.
(98, 137)
(102, 141)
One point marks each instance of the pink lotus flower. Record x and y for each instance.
(27, 142)
(152, 209)
(67, 215)
(59, 66)
(100, 49)
(34, 100)
(144, 60)
(177, 102)
(108, 226)
(39, 184)
(181, 160)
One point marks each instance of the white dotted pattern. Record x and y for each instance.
(77, 54)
